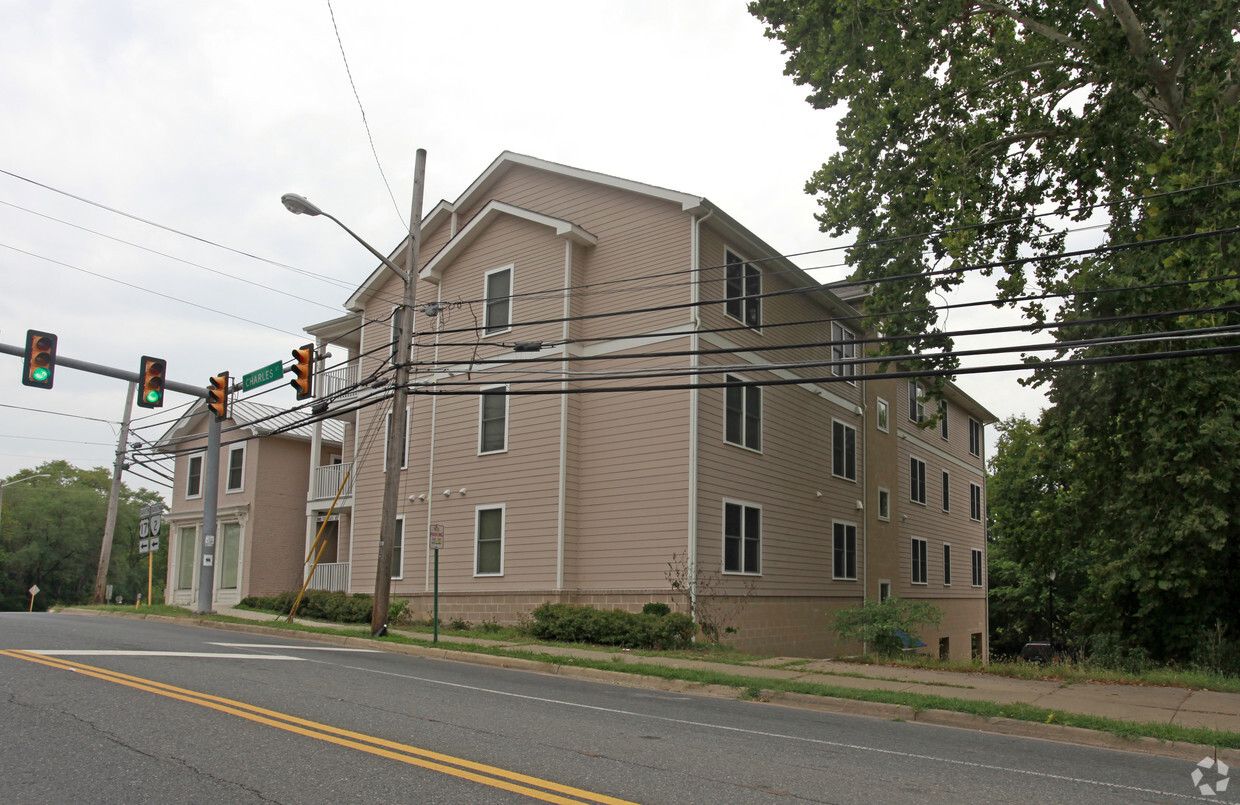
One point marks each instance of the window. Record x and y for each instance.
(398, 548)
(976, 557)
(884, 591)
(843, 451)
(884, 504)
(489, 548)
(843, 348)
(975, 502)
(186, 537)
(387, 426)
(743, 291)
(493, 420)
(845, 564)
(919, 561)
(229, 549)
(917, 480)
(742, 538)
(947, 504)
(193, 477)
(916, 402)
(498, 304)
(975, 437)
(947, 565)
(943, 418)
(883, 416)
(742, 414)
(236, 468)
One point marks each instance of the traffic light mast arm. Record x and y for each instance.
(107, 371)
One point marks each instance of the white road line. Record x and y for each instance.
(74, 652)
(297, 648)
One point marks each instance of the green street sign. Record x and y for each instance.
(261, 377)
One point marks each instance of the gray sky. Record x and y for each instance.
(198, 116)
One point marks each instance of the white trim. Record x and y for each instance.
(202, 471)
(943, 425)
(745, 264)
(981, 568)
(233, 448)
(947, 567)
(398, 573)
(981, 435)
(835, 576)
(221, 592)
(482, 398)
(925, 566)
(923, 490)
(946, 492)
(503, 536)
(883, 412)
(981, 503)
(924, 446)
(561, 502)
(882, 490)
(749, 356)
(744, 415)
(856, 451)
(838, 342)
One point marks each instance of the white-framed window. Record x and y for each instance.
(228, 555)
(493, 420)
(919, 560)
(742, 414)
(498, 305)
(943, 418)
(187, 541)
(882, 416)
(489, 540)
(236, 468)
(843, 450)
(975, 555)
(947, 565)
(947, 498)
(742, 538)
(917, 480)
(843, 350)
(387, 426)
(975, 502)
(193, 476)
(742, 290)
(975, 437)
(844, 555)
(398, 548)
(884, 590)
(916, 402)
(884, 504)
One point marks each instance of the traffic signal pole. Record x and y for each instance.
(213, 460)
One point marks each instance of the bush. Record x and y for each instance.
(325, 606)
(615, 627)
(656, 608)
(1107, 650)
(877, 623)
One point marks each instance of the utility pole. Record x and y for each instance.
(114, 497)
(397, 432)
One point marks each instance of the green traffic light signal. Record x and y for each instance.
(151, 376)
(39, 374)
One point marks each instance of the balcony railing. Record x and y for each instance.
(336, 380)
(327, 480)
(331, 576)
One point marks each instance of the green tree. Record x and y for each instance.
(990, 123)
(879, 624)
(51, 531)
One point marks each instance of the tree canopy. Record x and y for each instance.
(976, 135)
(51, 532)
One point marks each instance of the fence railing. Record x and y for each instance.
(327, 479)
(331, 576)
(336, 380)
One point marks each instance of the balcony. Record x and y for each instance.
(327, 481)
(331, 576)
(342, 380)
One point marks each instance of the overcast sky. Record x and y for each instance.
(199, 116)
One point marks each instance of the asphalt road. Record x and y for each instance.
(99, 710)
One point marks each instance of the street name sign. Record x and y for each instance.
(261, 377)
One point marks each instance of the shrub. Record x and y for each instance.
(656, 608)
(615, 627)
(877, 624)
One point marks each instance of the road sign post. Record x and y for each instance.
(436, 544)
(34, 590)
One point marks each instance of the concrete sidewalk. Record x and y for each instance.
(1137, 703)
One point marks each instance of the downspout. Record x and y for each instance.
(563, 491)
(694, 346)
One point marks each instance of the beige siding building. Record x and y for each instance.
(611, 378)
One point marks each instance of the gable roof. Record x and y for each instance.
(260, 420)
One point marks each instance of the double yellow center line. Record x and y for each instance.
(532, 787)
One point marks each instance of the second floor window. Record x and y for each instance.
(742, 414)
(843, 451)
(193, 477)
(498, 300)
(493, 427)
(843, 350)
(236, 468)
(743, 291)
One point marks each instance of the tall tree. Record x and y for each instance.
(990, 124)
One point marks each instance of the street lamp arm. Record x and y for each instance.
(27, 478)
(300, 206)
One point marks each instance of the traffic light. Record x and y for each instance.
(217, 396)
(39, 364)
(303, 372)
(152, 375)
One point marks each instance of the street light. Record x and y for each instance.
(1050, 600)
(18, 481)
(298, 205)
